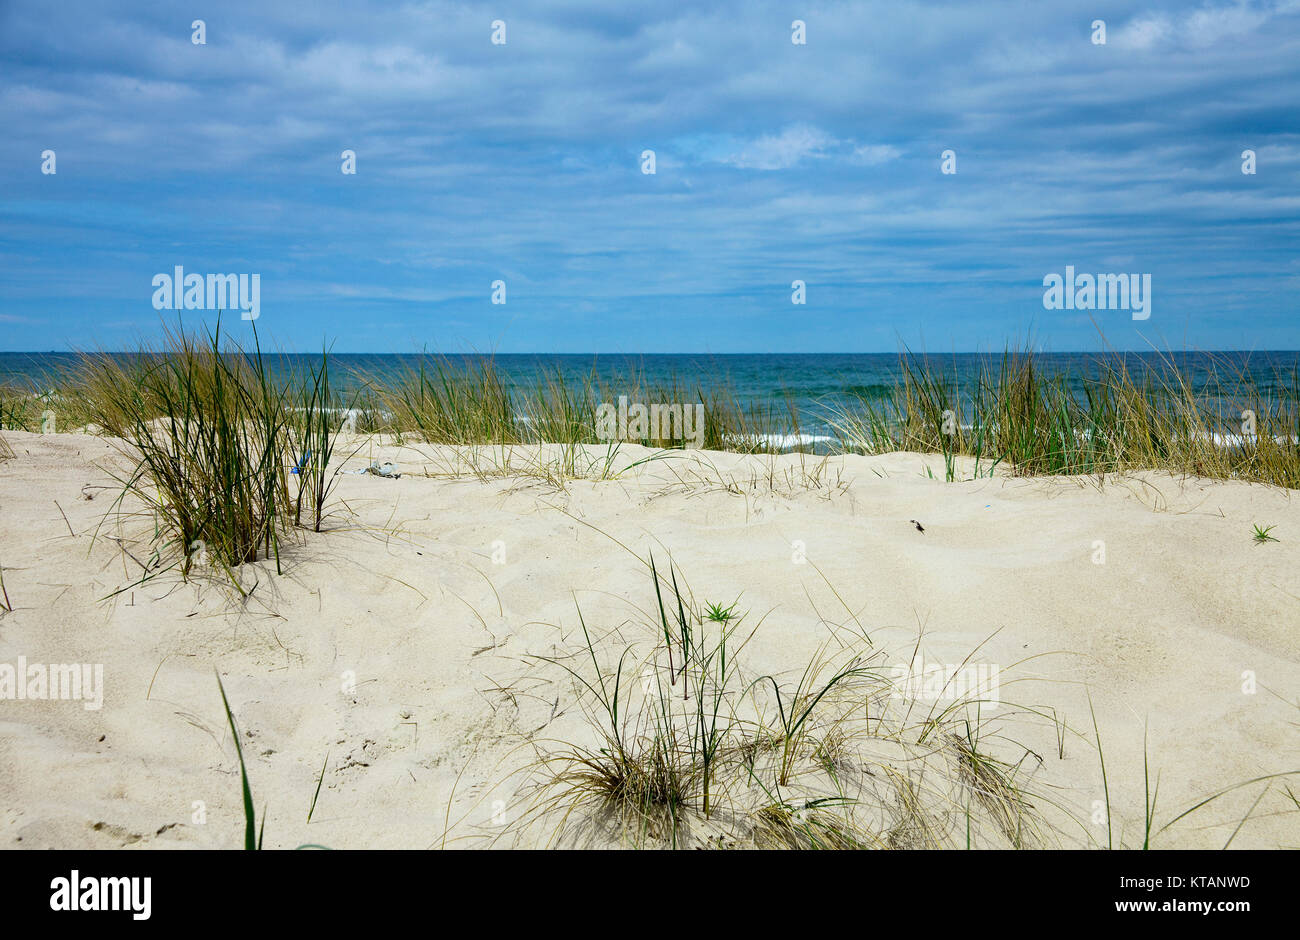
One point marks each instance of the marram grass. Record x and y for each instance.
(1011, 416)
(1030, 423)
(233, 451)
(685, 748)
(228, 453)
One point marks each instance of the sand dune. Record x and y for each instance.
(395, 643)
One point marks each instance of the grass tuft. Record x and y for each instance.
(1262, 535)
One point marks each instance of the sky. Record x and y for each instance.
(521, 161)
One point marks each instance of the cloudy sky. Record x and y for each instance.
(774, 162)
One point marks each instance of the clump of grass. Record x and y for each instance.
(1262, 535)
(805, 825)
(688, 750)
(692, 752)
(795, 727)
(208, 429)
(993, 783)
(313, 430)
(716, 613)
(655, 767)
(641, 776)
(1109, 418)
(19, 409)
(446, 402)
(470, 400)
(217, 438)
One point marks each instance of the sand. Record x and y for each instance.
(398, 645)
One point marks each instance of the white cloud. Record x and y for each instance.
(1201, 28)
(1144, 32)
(875, 154)
(784, 150)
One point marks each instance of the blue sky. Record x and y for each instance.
(775, 162)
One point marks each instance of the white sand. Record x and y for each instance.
(406, 598)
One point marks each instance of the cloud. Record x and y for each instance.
(784, 150)
(1199, 28)
(1143, 32)
(875, 154)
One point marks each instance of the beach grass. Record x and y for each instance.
(442, 400)
(1012, 416)
(234, 451)
(313, 430)
(1263, 533)
(688, 750)
(209, 431)
(685, 749)
(228, 453)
